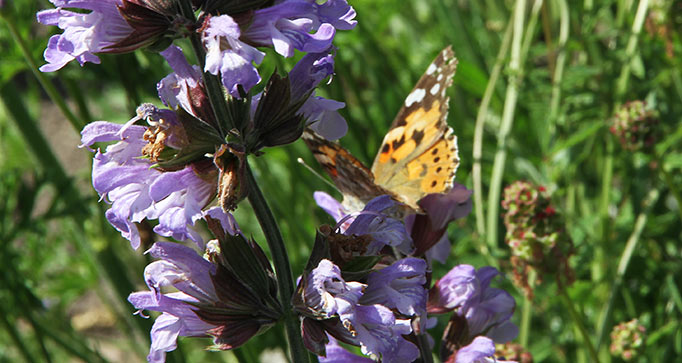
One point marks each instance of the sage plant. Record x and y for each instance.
(182, 164)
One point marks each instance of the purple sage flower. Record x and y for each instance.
(327, 294)
(374, 221)
(287, 26)
(429, 230)
(380, 333)
(322, 114)
(399, 286)
(229, 56)
(136, 190)
(110, 26)
(174, 89)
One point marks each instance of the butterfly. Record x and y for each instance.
(418, 155)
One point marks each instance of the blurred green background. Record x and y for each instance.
(553, 86)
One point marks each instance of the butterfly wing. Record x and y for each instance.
(419, 155)
(353, 179)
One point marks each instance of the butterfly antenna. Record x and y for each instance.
(302, 162)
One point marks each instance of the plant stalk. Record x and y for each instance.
(280, 260)
(506, 124)
(577, 319)
(624, 262)
(527, 312)
(478, 131)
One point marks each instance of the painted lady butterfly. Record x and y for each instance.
(419, 153)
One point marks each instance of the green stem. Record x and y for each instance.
(44, 82)
(526, 313)
(559, 66)
(668, 179)
(625, 257)
(604, 201)
(630, 49)
(424, 351)
(506, 124)
(578, 320)
(478, 131)
(280, 259)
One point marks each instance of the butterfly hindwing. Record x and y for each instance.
(353, 179)
(418, 155)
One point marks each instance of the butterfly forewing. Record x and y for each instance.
(419, 155)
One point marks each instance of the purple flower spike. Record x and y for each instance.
(309, 72)
(84, 33)
(399, 286)
(229, 56)
(137, 191)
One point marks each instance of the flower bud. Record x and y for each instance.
(635, 126)
(230, 160)
(627, 339)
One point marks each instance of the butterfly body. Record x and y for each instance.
(418, 155)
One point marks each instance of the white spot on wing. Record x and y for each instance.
(435, 89)
(440, 76)
(415, 96)
(431, 69)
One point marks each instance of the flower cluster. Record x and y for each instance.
(627, 338)
(170, 169)
(355, 292)
(634, 124)
(230, 296)
(395, 283)
(231, 33)
(480, 313)
(535, 233)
